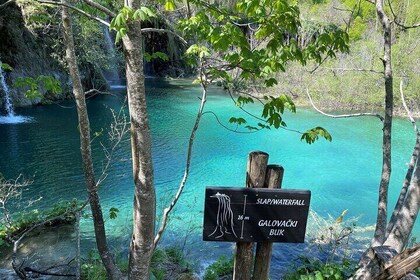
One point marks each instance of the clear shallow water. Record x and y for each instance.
(343, 174)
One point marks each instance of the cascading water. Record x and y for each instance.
(8, 106)
(111, 74)
(10, 117)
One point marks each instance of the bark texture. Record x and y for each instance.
(400, 232)
(144, 211)
(255, 178)
(381, 222)
(85, 148)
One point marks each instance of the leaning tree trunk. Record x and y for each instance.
(381, 222)
(144, 211)
(406, 217)
(84, 127)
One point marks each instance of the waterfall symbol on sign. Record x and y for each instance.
(224, 219)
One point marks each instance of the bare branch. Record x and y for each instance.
(7, 3)
(95, 91)
(353, 69)
(410, 115)
(157, 30)
(226, 127)
(104, 22)
(344, 115)
(100, 7)
(119, 128)
(168, 209)
(404, 27)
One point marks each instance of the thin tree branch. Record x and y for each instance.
(102, 21)
(344, 115)
(227, 128)
(100, 8)
(78, 263)
(409, 114)
(404, 27)
(7, 3)
(168, 209)
(353, 69)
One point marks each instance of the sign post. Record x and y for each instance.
(262, 214)
(273, 180)
(255, 178)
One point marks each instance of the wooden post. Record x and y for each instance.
(273, 179)
(255, 178)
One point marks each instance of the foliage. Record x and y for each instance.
(350, 83)
(252, 42)
(170, 263)
(22, 221)
(6, 67)
(332, 240)
(113, 212)
(148, 57)
(314, 269)
(126, 14)
(221, 267)
(36, 86)
(92, 268)
(313, 134)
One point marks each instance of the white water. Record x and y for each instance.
(7, 101)
(11, 117)
(111, 74)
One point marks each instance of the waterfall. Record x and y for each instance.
(8, 106)
(11, 117)
(111, 74)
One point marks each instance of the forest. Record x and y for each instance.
(117, 117)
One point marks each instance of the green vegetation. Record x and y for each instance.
(167, 263)
(39, 86)
(222, 267)
(170, 263)
(314, 269)
(26, 220)
(351, 82)
(332, 239)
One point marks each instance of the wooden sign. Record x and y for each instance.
(245, 214)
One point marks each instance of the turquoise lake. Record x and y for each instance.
(342, 174)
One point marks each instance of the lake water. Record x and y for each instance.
(343, 174)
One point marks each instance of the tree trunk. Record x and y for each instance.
(144, 211)
(407, 181)
(84, 128)
(399, 234)
(381, 222)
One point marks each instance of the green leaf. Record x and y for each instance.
(270, 82)
(170, 5)
(312, 135)
(140, 15)
(113, 213)
(318, 276)
(148, 12)
(6, 67)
